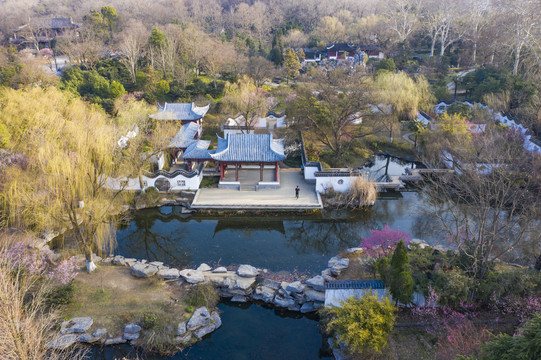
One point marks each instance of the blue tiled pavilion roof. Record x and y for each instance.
(198, 151)
(186, 112)
(249, 148)
(185, 136)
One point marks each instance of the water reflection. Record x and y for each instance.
(276, 243)
(249, 331)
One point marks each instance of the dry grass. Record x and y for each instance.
(114, 298)
(26, 326)
(362, 191)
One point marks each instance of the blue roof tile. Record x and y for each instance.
(185, 136)
(186, 112)
(249, 148)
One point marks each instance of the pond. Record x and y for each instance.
(249, 331)
(278, 243)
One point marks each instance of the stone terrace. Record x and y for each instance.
(282, 198)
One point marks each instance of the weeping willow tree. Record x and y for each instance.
(403, 94)
(70, 147)
(153, 137)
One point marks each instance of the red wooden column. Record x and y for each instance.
(221, 172)
(237, 171)
(276, 171)
(260, 171)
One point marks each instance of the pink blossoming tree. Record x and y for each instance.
(383, 242)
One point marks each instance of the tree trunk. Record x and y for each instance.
(141, 183)
(517, 60)
(474, 52)
(90, 266)
(433, 46)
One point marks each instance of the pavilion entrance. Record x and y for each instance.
(249, 176)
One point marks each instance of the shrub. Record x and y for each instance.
(453, 287)
(462, 339)
(149, 321)
(61, 295)
(524, 345)
(202, 295)
(363, 324)
(150, 197)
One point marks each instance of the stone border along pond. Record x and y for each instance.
(245, 284)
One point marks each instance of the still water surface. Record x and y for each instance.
(295, 242)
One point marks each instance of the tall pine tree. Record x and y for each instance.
(400, 276)
(292, 64)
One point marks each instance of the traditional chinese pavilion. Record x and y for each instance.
(183, 113)
(242, 149)
(341, 51)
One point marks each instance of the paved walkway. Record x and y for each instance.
(406, 137)
(282, 198)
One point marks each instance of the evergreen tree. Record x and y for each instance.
(400, 275)
(277, 48)
(292, 64)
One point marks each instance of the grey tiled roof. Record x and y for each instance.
(186, 112)
(249, 148)
(185, 136)
(198, 151)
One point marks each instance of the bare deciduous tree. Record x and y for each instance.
(132, 45)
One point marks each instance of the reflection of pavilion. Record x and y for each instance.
(226, 224)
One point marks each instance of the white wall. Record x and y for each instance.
(309, 172)
(338, 183)
(179, 182)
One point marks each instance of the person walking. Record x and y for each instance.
(297, 192)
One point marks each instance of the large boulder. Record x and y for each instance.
(316, 283)
(307, 307)
(76, 325)
(284, 302)
(295, 287)
(143, 270)
(264, 293)
(215, 319)
(192, 276)
(220, 270)
(332, 261)
(131, 336)
(132, 328)
(204, 267)
(313, 295)
(184, 338)
(115, 341)
(63, 342)
(168, 274)
(215, 323)
(247, 271)
(339, 266)
(270, 283)
(239, 298)
(243, 283)
(181, 329)
(199, 319)
(327, 275)
(354, 250)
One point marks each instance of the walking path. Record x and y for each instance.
(269, 199)
(406, 137)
